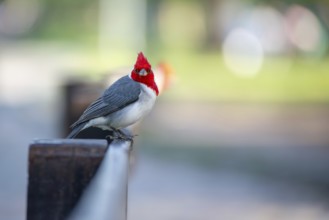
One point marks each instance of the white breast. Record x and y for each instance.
(130, 114)
(135, 111)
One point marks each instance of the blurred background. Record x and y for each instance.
(242, 130)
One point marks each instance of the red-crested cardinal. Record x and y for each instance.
(124, 103)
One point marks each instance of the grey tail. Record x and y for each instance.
(76, 130)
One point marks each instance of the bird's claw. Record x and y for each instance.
(119, 135)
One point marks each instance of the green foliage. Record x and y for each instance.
(73, 20)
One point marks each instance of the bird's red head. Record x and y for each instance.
(143, 73)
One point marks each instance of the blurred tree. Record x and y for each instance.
(68, 20)
(213, 35)
(152, 29)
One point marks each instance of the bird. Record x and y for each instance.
(124, 103)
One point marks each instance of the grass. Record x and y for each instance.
(205, 77)
(285, 79)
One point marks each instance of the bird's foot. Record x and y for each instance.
(120, 135)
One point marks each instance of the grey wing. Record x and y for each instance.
(122, 93)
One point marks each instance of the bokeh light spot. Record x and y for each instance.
(243, 53)
(303, 28)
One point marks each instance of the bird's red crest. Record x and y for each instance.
(141, 62)
(148, 78)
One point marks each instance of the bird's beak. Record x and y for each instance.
(142, 72)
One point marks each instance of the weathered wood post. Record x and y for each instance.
(60, 171)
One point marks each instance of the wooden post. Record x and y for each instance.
(59, 171)
(77, 96)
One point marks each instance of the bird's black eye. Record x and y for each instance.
(148, 70)
(137, 70)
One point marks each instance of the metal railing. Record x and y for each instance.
(106, 195)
